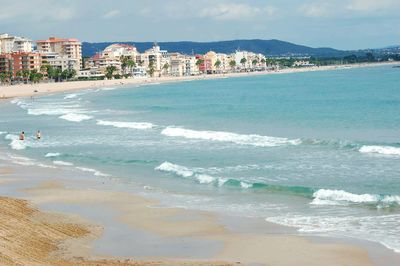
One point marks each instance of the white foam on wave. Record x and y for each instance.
(382, 229)
(71, 96)
(52, 154)
(193, 173)
(252, 139)
(385, 150)
(27, 162)
(73, 117)
(15, 143)
(132, 125)
(62, 163)
(174, 168)
(94, 171)
(340, 197)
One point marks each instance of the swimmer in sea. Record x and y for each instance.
(22, 136)
(38, 135)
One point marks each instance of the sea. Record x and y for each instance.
(315, 151)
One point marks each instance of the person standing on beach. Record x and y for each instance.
(22, 136)
(38, 135)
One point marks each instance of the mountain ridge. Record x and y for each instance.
(271, 47)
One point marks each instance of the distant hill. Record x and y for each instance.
(267, 47)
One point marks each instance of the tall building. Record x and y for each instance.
(11, 44)
(16, 62)
(70, 48)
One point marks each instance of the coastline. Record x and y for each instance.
(83, 214)
(58, 193)
(26, 90)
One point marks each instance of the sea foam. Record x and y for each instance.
(385, 150)
(52, 154)
(131, 125)
(15, 143)
(90, 170)
(340, 197)
(75, 117)
(252, 139)
(62, 163)
(198, 176)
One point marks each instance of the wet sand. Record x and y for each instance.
(82, 226)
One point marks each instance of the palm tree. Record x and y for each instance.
(151, 68)
(19, 75)
(3, 77)
(25, 74)
(110, 71)
(200, 62)
(232, 64)
(243, 62)
(217, 64)
(130, 64)
(263, 61)
(166, 67)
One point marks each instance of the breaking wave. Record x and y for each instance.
(385, 150)
(252, 139)
(15, 143)
(341, 197)
(73, 117)
(132, 125)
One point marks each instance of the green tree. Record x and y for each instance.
(110, 71)
(232, 64)
(254, 62)
(243, 62)
(200, 62)
(217, 64)
(151, 68)
(130, 65)
(35, 76)
(165, 68)
(3, 77)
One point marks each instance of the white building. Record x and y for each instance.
(61, 62)
(10, 44)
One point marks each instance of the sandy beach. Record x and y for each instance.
(53, 238)
(24, 90)
(52, 216)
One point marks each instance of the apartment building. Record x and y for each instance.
(20, 61)
(11, 44)
(70, 48)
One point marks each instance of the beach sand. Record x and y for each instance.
(31, 236)
(24, 90)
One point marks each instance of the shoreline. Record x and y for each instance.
(92, 209)
(25, 90)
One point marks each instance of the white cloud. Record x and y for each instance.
(111, 14)
(316, 10)
(229, 11)
(372, 5)
(36, 11)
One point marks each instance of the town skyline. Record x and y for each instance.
(340, 24)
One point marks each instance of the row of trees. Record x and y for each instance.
(35, 76)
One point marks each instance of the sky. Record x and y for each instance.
(341, 24)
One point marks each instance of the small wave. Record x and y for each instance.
(202, 177)
(341, 197)
(71, 96)
(382, 229)
(52, 154)
(132, 125)
(90, 170)
(15, 143)
(62, 163)
(108, 89)
(253, 140)
(75, 117)
(385, 150)
(28, 162)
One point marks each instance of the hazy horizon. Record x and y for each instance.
(339, 24)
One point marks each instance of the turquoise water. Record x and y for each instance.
(319, 151)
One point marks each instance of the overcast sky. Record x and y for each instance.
(342, 24)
